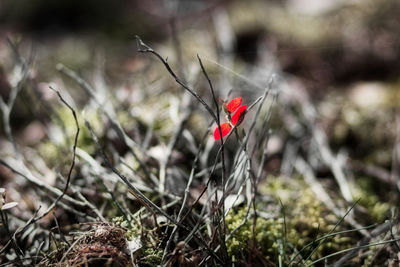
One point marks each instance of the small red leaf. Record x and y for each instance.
(234, 104)
(238, 117)
(225, 128)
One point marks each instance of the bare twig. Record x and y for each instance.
(326, 153)
(319, 137)
(383, 228)
(6, 108)
(60, 196)
(153, 208)
(109, 112)
(20, 230)
(18, 167)
(143, 48)
(352, 250)
(73, 158)
(84, 200)
(4, 220)
(172, 143)
(219, 151)
(309, 176)
(223, 230)
(185, 198)
(375, 171)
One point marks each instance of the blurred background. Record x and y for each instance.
(324, 43)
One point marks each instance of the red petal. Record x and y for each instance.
(234, 104)
(238, 117)
(225, 128)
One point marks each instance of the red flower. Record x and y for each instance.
(225, 128)
(236, 119)
(234, 104)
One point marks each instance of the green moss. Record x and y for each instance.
(310, 219)
(151, 257)
(369, 199)
(133, 230)
(306, 219)
(150, 254)
(268, 234)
